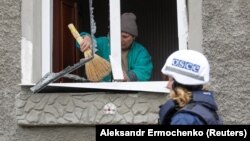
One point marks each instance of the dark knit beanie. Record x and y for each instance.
(128, 24)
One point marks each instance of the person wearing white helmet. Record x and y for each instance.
(189, 104)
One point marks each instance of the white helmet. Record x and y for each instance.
(187, 67)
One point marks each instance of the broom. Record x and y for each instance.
(97, 68)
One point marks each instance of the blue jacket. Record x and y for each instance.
(200, 111)
(139, 61)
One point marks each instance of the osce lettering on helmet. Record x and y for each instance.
(186, 65)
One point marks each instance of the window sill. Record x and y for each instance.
(149, 86)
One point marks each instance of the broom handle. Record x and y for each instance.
(75, 33)
(78, 38)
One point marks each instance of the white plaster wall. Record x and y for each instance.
(195, 25)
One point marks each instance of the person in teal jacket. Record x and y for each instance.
(136, 61)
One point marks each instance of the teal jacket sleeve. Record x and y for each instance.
(139, 63)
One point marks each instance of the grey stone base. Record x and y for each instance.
(88, 108)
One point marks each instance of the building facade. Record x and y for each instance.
(223, 34)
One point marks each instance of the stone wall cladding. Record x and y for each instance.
(226, 43)
(87, 108)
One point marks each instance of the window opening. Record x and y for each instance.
(126, 7)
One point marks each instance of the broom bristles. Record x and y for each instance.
(97, 68)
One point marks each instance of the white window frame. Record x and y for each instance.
(182, 24)
(115, 39)
(29, 55)
(47, 36)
